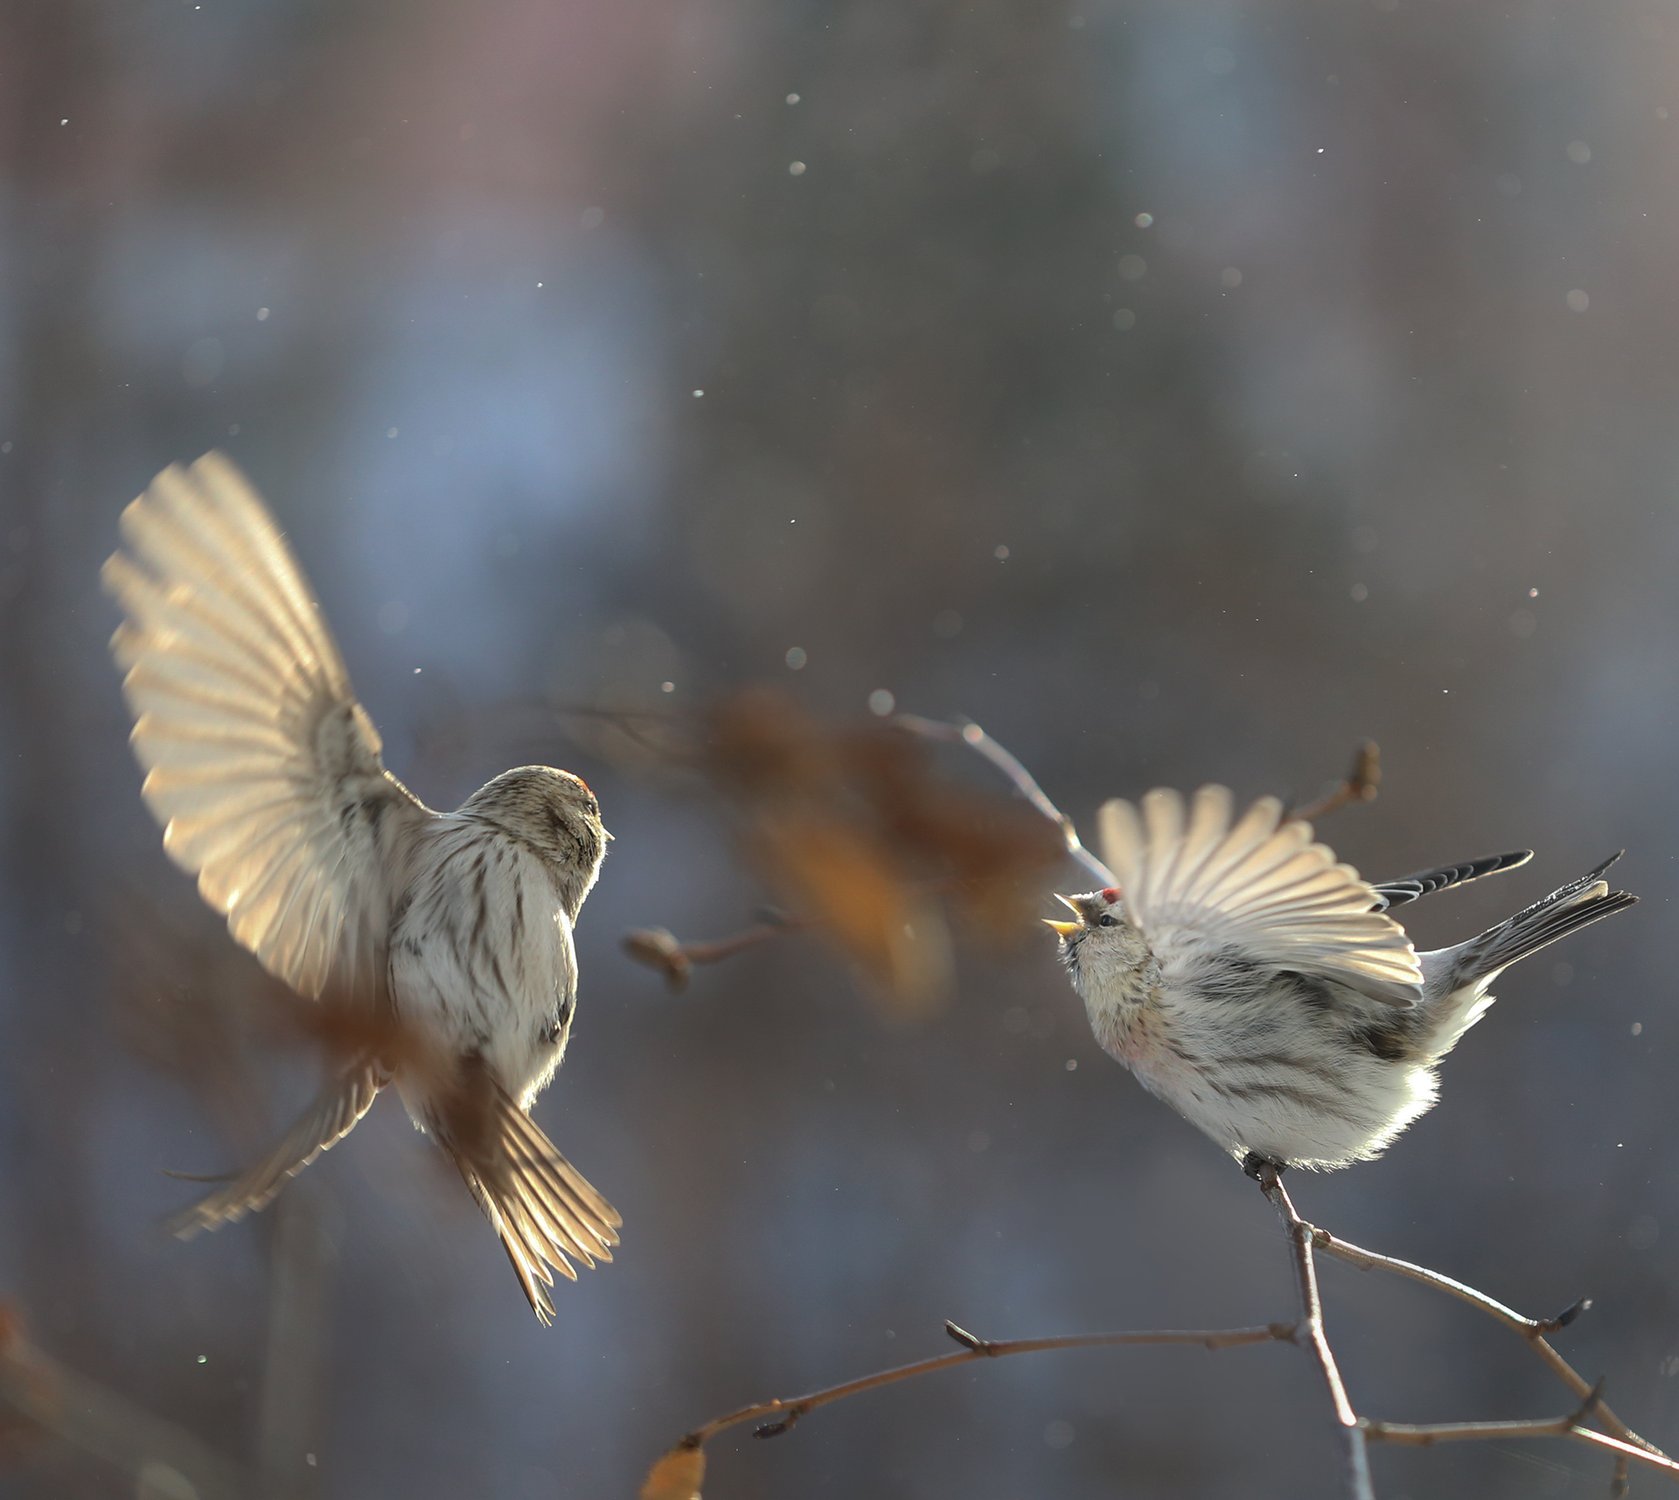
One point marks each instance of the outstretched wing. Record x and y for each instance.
(260, 764)
(1256, 884)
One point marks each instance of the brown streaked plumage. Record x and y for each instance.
(454, 928)
(1262, 989)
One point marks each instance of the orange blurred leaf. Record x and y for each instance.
(848, 882)
(677, 1475)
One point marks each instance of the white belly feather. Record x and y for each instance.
(481, 956)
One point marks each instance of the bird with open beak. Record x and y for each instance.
(1264, 990)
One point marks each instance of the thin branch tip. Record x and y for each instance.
(1565, 1317)
(783, 1424)
(1360, 784)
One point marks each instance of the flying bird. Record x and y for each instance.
(1265, 991)
(450, 931)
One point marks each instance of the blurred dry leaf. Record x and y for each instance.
(677, 1475)
(891, 930)
(855, 829)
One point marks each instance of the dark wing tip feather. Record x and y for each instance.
(1443, 877)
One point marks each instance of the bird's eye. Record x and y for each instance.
(1106, 921)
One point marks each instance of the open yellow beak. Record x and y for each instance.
(1065, 930)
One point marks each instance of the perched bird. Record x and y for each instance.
(1263, 990)
(447, 935)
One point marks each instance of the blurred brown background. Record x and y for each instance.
(1185, 391)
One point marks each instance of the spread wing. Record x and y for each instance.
(260, 764)
(1256, 884)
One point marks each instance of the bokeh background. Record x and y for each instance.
(1185, 391)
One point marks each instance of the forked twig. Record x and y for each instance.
(1423, 1435)
(779, 1414)
(1535, 1332)
(1311, 1336)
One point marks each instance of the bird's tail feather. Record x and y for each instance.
(1575, 905)
(545, 1211)
(331, 1117)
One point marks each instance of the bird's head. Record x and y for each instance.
(552, 811)
(1101, 943)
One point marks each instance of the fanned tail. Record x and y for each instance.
(1459, 978)
(545, 1211)
(1575, 905)
(331, 1117)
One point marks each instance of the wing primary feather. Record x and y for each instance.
(260, 764)
(1258, 884)
(334, 1113)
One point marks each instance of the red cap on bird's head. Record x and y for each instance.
(1110, 894)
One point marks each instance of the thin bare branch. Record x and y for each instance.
(1424, 1435)
(788, 1410)
(1358, 785)
(661, 949)
(1534, 1331)
(966, 732)
(1311, 1336)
